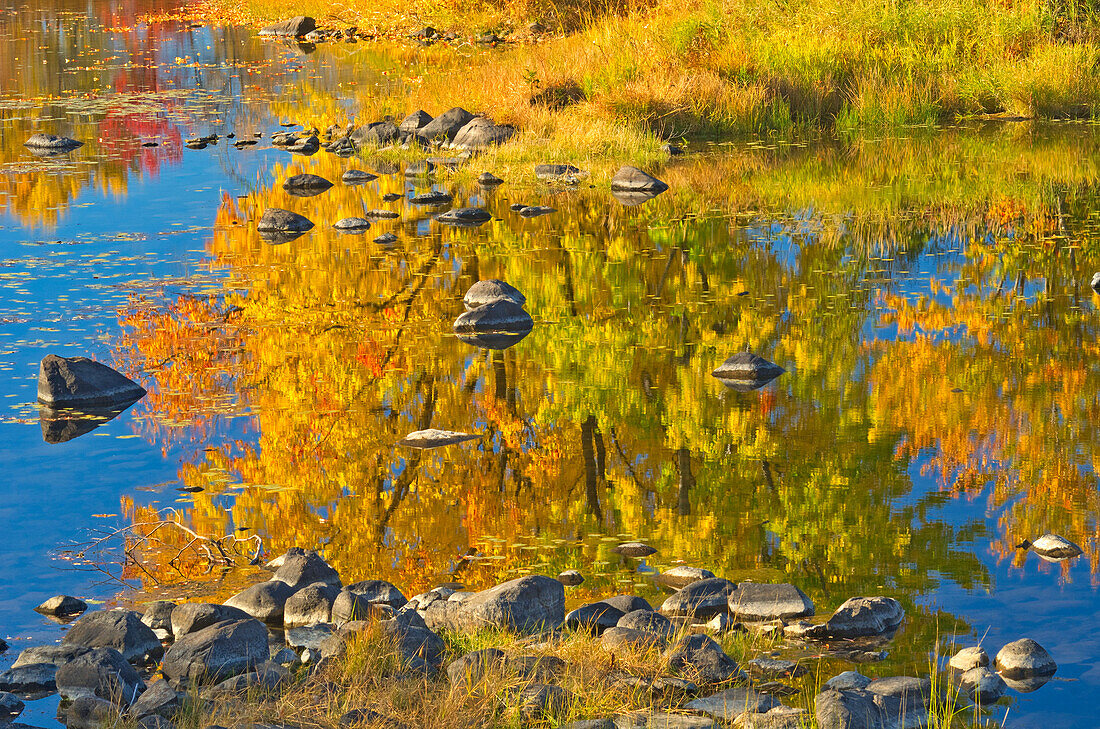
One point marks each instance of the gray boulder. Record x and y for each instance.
(52, 143)
(848, 680)
(759, 601)
(495, 317)
(570, 578)
(118, 629)
(102, 673)
(848, 709)
(79, 382)
(446, 126)
(419, 168)
(30, 678)
(264, 601)
(627, 603)
(306, 145)
(10, 706)
(352, 225)
(488, 179)
(159, 699)
(634, 549)
(647, 621)
(191, 616)
(62, 606)
(89, 712)
(310, 605)
(861, 617)
(968, 658)
(594, 617)
(702, 599)
(1023, 658)
(775, 668)
(414, 122)
(432, 197)
(471, 668)
(420, 648)
(904, 699)
(702, 660)
(465, 217)
(983, 686)
(266, 678)
(727, 705)
(628, 639)
(277, 220)
(300, 570)
(535, 211)
(158, 616)
(525, 604)
(632, 179)
(481, 132)
(55, 655)
(354, 601)
(295, 27)
(679, 577)
(492, 290)
(746, 366)
(377, 134)
(306, 185)
(357, 177)
(216, 653)
(538, 701)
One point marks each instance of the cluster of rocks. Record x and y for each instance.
(304, 29)
(495, 317)
(105, 666)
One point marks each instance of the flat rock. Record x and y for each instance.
(381, 214)
(775, 668)
(433, 438)
(295, 27)
(492, 290)
(306, 184)
(525, 604)
(101, 673)
(62, 606)
(762, 601)
(264, 601)
(159, 699)
(465, 217)
(56, 655)
(118, 629)
(30, 678)
(81, 382)
(498, 316)
(1024, 658)
(431, 198)
(847, 680)
(191, 616)
(968, 658)
(216, 653)
(682, 576)
(861, 617)
(277, 220)
(748, 366)
(632, 179)
(634, 549)
(729, 704)
(558, 173)
(352, 225)
(357, 177)
(702, 599)
(536, 211)
(52, 142)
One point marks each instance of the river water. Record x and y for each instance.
(927, 292)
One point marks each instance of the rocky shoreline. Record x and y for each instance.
(164, 668)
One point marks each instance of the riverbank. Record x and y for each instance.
(709, 69)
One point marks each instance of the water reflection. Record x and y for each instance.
(61, 426)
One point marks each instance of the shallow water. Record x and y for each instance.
(927, 293)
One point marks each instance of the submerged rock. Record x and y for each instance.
(431, 198)
(10, 706)
(746, 367)
(682, 576)
(30, 678)
(295, 27)
(306, 185)
(465, 217)
(381, 214)
(1024, 658)
(491, 290)
(356, 177)
(634, 549)
(498, 316)
(283, 221)
(81, 382)
(52, 143)
(386, 239)
(632, 179)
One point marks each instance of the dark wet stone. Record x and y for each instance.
(628, 603)
(264, 601)
(536, 211)
(377, 134)
(860, 617)
(763, 601)
(729, 704)
(278, 220)
(446, 125)
(632, 199)
(52, 143)
(488, 179)
(493, 340)
(525, 604)
(392, 197)
(10, 706)
(570, 578)
(89, 712)
(594, 617)
(158, 616)
(355, 177)
(381, 215)
(516, 207)
(62, 606)
(191, 616)
(352, 225)
(498, 316)
(748, 367)
(702, 660)
(632, 179)
(306, 146)
(558, 173)
(1024, 658)
(465, 217)
(216, 653)
(102, 673)
(647, 621)
(414, 122)
(81, 382)
(481, 132)
(491, 290)
(431, 198)
(702, 599)
(295, 27)
(310, 605)
(30, 678)
(306, 185)
(634, 549)
(118, 629)
(433, 438)
(159, 699)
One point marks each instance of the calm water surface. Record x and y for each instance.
(927, 293)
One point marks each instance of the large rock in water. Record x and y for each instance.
(62, 606)
(632, 179)
(499, 316)
(216, 653)
(29, 678)
(465, 217)
(446, 125)
(434, 438)
(102, 673)
(52, 143)
(702, 599)
(1024, 658)
(295, 27)
(748, 367)
(277, 220)
(118, 629)
(760, 601)
(526, 604)
(481, 132)
(306, 185)
(861, 617)
(82, 383)
(490, 290)
(55, 655)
